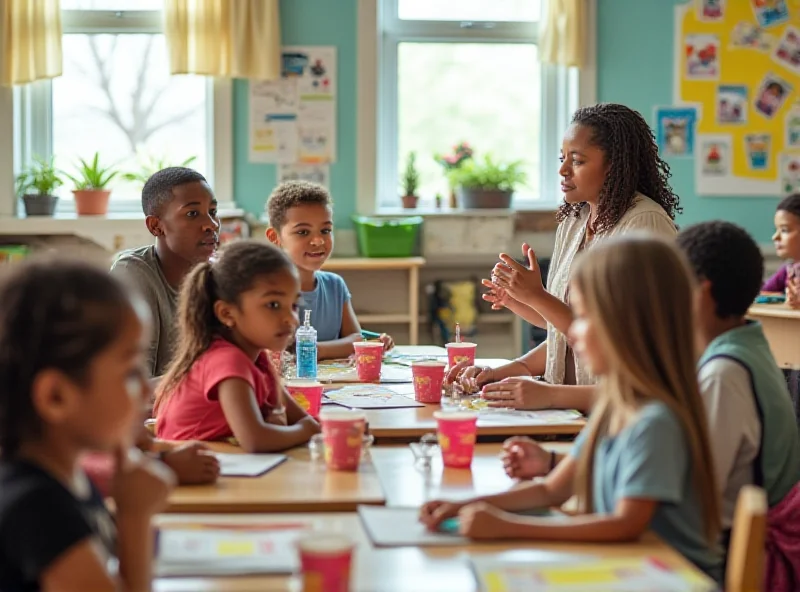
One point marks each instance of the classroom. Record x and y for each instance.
(400, 295)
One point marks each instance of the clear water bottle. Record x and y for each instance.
(306, 347)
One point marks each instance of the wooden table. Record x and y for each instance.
(417, 569)
(297, 485)
(782, 328)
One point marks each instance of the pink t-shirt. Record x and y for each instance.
(193, 412)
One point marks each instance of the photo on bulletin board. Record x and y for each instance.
(710, 11)
(732, 103)
(702, 57)
(793, 127)
(675, 130)
(758, 147)
(770, 12)
(790, 172)
(749, 36)
(715, 156)
(787, 50)
(771, 95)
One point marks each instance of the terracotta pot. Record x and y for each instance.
(410, 201)
(39, 205)
(91, 202)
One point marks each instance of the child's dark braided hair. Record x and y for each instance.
(54, 314)
(634, 164)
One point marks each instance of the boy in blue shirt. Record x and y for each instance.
(742, 387)
(301, 223)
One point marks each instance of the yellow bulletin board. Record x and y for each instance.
(737, 84)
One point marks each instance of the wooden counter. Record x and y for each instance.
(782, 328)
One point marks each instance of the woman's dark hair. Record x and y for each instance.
(54, 314)
(634, 164)
(226, 278)
(790, 204)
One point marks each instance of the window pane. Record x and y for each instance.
(485, 94)
(112, 4)
(469, 10)
(116, 97)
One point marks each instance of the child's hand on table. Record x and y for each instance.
(192, 464)
(388, 342)
(432, 513)
(525, 459)
(482, 521)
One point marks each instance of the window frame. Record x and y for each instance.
(562, 90)
(33, 112)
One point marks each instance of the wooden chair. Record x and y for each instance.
(745, 571)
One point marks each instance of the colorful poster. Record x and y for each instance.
(715, 156)
(793, 127)
(787, 50)
(771, 94)
(749, 36)
(770, 12)
(675, 129)
(702, 57)
(313, 173)
(790, 172)
(273, 121)
(731, 103)
(710, 10)
(757, 147)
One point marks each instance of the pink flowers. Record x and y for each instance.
(461, 152)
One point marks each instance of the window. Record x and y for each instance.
(467, 71)
(116, 97)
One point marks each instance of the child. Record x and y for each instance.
(753, 428)
(72, 370)
(787, 246)
(181, 213)
(644, 460)
(301, 223)
(221, 384)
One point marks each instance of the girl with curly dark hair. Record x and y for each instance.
(613, 182)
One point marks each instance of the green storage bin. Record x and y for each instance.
(387, 237)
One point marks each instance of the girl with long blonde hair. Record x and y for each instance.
(644, 459)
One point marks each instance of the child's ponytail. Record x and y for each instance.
(197, 325)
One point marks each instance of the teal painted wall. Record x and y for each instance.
(307, 22)
(635, 66)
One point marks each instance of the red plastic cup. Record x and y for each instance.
(461, 352)
(343, 434)
(307, 393)
(325, 562)
(428, 379)
(369, 356)
(457, 432)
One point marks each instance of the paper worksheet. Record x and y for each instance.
(390, 374)
(371, 396)
(489, 417)
(400, 527)
(247, 465)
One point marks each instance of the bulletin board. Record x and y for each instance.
(736, 98)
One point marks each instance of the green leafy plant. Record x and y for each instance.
(149, 165)
(410, 179)
(91, 175)
(488, 174)
(39, 178)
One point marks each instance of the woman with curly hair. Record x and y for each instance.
(613, 182)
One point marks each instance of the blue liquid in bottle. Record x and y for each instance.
(306, 340)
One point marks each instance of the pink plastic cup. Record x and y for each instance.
(457, 432)
(428, 379)
(461, 352)
(325, 562)
(369, 356)
(343, 434)
(307, 393)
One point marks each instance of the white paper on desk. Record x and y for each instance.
(370, 396)
(209, 551)
(400, 527)
(390, 374)
(247, 465)
(488, 417)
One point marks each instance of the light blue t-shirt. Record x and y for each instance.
(326, 302)
(650, 459)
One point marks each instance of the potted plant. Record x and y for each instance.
(462, 152)
(410, 182)
(149, 165)
(36, 184)
(91, 195)
(487, 184)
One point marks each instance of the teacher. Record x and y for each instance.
(613, 182)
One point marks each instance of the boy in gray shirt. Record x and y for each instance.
(181, 213)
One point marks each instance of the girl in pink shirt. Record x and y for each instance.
(221, 383)
(787, 246)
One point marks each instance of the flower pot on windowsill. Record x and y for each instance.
(410, 201)
(39, 205)
(479, 198)
(91, 202)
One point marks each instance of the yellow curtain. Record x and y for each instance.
(31, 46)
(227, 38)
(563, 36)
